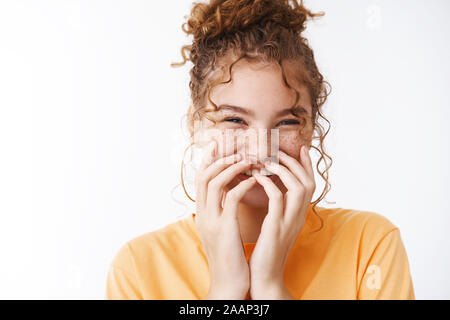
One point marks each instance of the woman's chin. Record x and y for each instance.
(255, 197)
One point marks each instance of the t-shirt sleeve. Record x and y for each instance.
(387, 274)
(121, 282)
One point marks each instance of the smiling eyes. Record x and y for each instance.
(240, 121)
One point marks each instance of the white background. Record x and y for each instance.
(91, 137)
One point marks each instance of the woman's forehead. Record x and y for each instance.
(259, 87)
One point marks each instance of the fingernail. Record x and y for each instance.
(211, 146)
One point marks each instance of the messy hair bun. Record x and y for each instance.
(264, 30)
(223, 17)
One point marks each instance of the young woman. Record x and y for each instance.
(256, 233)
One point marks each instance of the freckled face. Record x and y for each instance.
(259, 92)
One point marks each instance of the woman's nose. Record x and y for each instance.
(258, 145)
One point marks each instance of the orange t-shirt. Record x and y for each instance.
(355, 255)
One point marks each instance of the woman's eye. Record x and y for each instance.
(235, 120)
(288, 122)
(240, 121)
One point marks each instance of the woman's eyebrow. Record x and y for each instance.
(235, 109)
(294, 111)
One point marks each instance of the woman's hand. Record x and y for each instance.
(219, 228)
(282, 224)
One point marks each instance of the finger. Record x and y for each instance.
(291, 182)
(296, 190)
(216, 185)
(275, 195)
(307, 162)
(297, 169)
(220, 164)
(208, 157)
(235, 195)
(203, 177)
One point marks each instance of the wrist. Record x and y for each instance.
(235, 291)
(226, 294)
(273, 290)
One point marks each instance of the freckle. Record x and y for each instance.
(289, 139)
(290, 143)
